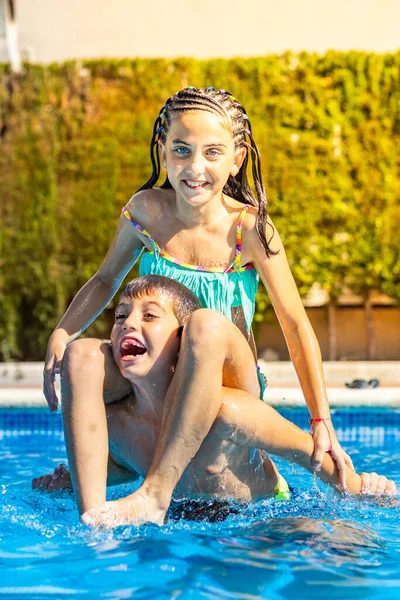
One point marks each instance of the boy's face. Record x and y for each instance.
(145, 336)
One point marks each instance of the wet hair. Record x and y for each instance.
(223, 104)
(183, 301)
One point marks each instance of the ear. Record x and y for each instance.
(162, 150)
(240, 155)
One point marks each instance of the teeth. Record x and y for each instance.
(126, 343)
(194, 184)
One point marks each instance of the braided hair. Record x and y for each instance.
(229, 109)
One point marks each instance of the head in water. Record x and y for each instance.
(209, 106)
(148, 324)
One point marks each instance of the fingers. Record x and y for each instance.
(60, 479)
(365, 482)
(41, 483)
(373, 484)
(322, 443)
(325, 440)
(390, 488)
(348, 461)
(339, 457)
(49, 390)
(318, 456)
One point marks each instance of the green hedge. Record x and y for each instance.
(74, 147)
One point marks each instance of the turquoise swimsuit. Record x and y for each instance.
(218, 288)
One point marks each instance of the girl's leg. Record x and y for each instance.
(88, 367)
(213, 353)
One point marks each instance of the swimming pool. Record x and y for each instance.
(314, 545)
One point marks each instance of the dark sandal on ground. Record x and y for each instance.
(359, 384)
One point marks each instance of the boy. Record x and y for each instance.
(145, 342)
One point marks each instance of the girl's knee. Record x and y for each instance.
(82, 355)
(207, 328)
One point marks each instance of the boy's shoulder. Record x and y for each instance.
(147, 206)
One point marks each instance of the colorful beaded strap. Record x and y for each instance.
(238, 250)
(127, 214)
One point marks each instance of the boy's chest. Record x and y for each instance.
(136, 442)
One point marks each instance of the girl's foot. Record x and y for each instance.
(136, 509)
(60, 479)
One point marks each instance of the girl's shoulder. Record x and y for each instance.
(250, 236)
(148, 206)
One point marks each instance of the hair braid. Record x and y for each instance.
(230, 110)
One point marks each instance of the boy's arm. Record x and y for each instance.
(255, 424)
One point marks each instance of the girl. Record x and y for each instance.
(204, 228)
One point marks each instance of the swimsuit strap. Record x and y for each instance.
(238, 252)
(127, 214)
(234, 267)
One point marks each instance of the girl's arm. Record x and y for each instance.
(300, 339)
(94, 296)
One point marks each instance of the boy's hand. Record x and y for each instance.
(60, 479)
(55, 353)
(373, 484)
(325, 440)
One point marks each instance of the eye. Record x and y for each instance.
(213, 153)
(119, 316)
(182, 151)
(150, 316)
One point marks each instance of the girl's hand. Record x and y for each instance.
(373, 484)
(54, 355)
(325, 440)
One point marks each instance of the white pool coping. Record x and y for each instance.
(21, 384)
(276, 396)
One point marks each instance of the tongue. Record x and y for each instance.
(132, 350)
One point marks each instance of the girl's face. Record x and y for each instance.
(200, 155)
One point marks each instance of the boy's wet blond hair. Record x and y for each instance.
(183, 301)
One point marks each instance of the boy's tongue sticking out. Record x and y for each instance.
(131, 348)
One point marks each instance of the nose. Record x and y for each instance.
(196, 166)
(131, 322)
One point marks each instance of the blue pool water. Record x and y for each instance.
(314, 546)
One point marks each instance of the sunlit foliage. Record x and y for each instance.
(74, 148)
